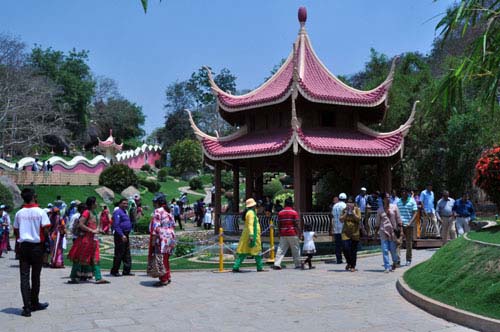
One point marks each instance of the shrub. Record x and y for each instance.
(162, 174)
(158, 163)
(146, 168)
(118, 177)
(195, 183)
(271, 188)
(152, 185)
(184, 246)
(488, 174)
(6, 196)
(143, 225)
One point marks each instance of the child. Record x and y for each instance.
(308, 248)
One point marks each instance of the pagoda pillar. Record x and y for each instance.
(299, 183)
(384, 175)
(218, 192)
(236, 188)
(249, 180)
(356, 177)
(259, 185)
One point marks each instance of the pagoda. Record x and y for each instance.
(109, 147)
(301, 120)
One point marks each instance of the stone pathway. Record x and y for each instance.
(324, 299)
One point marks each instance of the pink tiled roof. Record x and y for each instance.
(252, 145)
(349, 142)
(315, 82)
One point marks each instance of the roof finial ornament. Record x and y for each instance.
(302, 16)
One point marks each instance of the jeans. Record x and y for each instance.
(30, 257)
(286, 242)
(351, 252)
(338, 247)
(387, 246)
(122, 254)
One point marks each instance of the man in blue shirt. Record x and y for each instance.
(407, 208)
(360, 201)
(464, 212)
(427, 200)
(176, 210)
(122, 226)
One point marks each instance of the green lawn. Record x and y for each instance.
(48, 194)
(490, 235)
(462, 274)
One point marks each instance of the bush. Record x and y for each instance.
(152, 185)
(6, 196)
(118, 177)
(146, 168)
(143, 225)
(195, 183)
(272, 188)
(158, 163)
(184, 246)
(162, 174)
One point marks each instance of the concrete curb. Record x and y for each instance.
(480, 242)
(444, 311)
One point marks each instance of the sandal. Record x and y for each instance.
(73, 282)
(101, 282)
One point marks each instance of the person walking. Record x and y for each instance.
(388, 221)
(289, 230)
(176, 211)
(208, 219)
(464, 212)
(309, 248)
(85, 253)
(122, 226)
(427, 199)
(336, 226)
(6, 221)
(407, 210)
(57, 238)
(31, 226)
(351, 217)
(162, 237)
(360, 202)
(444, 213)
(105, 220)
(4, 231)
(249, 244)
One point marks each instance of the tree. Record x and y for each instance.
(186, 157)
(71, 73)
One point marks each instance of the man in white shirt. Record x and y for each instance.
(336, 226)
(31, 226)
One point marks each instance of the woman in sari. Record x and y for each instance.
(4, 233)
(250, 244)
(105, 220)
(162, 241)
(57, 233)
(85, 250)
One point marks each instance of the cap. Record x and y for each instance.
(342, 196)
(250, 203)
(50, 205)
(363, 189)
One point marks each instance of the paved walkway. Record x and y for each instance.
(324, 299)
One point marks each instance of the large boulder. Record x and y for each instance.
(106, 194)
(130, 192)
(14, 190)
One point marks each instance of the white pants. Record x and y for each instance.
(285, 243)
(462, 225)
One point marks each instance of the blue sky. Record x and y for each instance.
(146, 52)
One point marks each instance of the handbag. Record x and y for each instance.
(156, 268)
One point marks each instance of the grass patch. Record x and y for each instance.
(462, 274)
(490, 235)
(48, 194)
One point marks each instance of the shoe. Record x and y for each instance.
(128, 274)
(276, 267)
(398, 264)
(117, 274)
(101, 282)
(298, 267)
(73, 282)
(408, 263)
(312, 267)
(347, 267)
(39, 306)
(236, 271)
(392, 270)
(387, 271)
(26, 313)
(353, 269)
(262, 270)
(162, 284)
(393, 267)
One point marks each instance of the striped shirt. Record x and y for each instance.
(286, 221)
(407, 209)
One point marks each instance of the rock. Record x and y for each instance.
(130, 192)
(106, 194)
(14, 189)
(151, 178)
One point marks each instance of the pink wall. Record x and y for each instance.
(139, 161)
(81, 169)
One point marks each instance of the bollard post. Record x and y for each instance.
(271, 242)
(221, 250)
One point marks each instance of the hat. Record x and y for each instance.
(342, 196)
(2, 207)
(50, 205)
(363, 189)
(250, 203)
